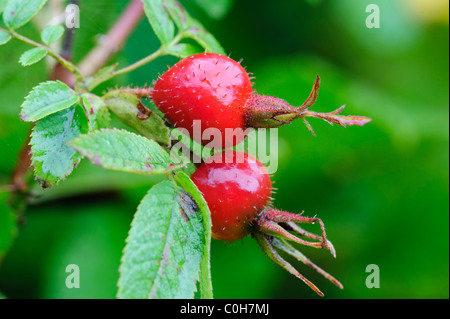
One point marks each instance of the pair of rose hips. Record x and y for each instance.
(217, 91)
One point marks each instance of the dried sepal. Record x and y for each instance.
(265, 242)
(312, 98)
(290, 250)
(335, 118)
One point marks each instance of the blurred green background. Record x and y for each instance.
(381, 190)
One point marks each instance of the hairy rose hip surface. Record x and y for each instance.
(216, 91)
(236, 190)
(208, 87)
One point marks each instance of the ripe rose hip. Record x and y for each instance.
(217, 91)
(237, 188)
(236, 192)
(208, 87)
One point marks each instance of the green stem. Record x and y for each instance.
(65, 63)
(162, 51)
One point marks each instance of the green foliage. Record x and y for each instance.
(126, 107)
(205, 272)
(216, 9)
(3, 4)
(47, 98)
(192, 28)
(8, 225)
(205, 39)
(96, 111)
(51, 34)
(52, 158)
(379, 182)
(159, 20)
(19, 12)
(124, 151)
(183, 50)
(32, 56)
(164, 247)
(4, 37)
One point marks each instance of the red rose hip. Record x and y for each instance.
(207, 87)
(214, 92)
(236, 192)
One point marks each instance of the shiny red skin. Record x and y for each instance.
(236, 193)
(208, 87)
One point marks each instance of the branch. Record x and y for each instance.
(114, 40)
(67, 64)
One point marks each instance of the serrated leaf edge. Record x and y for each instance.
(23, 117)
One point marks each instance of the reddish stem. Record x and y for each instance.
(114, 39)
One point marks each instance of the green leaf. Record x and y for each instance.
(204, 38)
(101, 76)
(159, 19)
(205, 269)
(47, 98)
(128, 108)
(216, 9)
(32, 56)
(52, 158)
(8, 225)
(3, 4)
(52, 33)
(19, 12)
(192, 27)
(96, 111)
(4, 37)
(178, 14)
(2, 296)
(164, 246)
(124, 151)
(183, 50)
